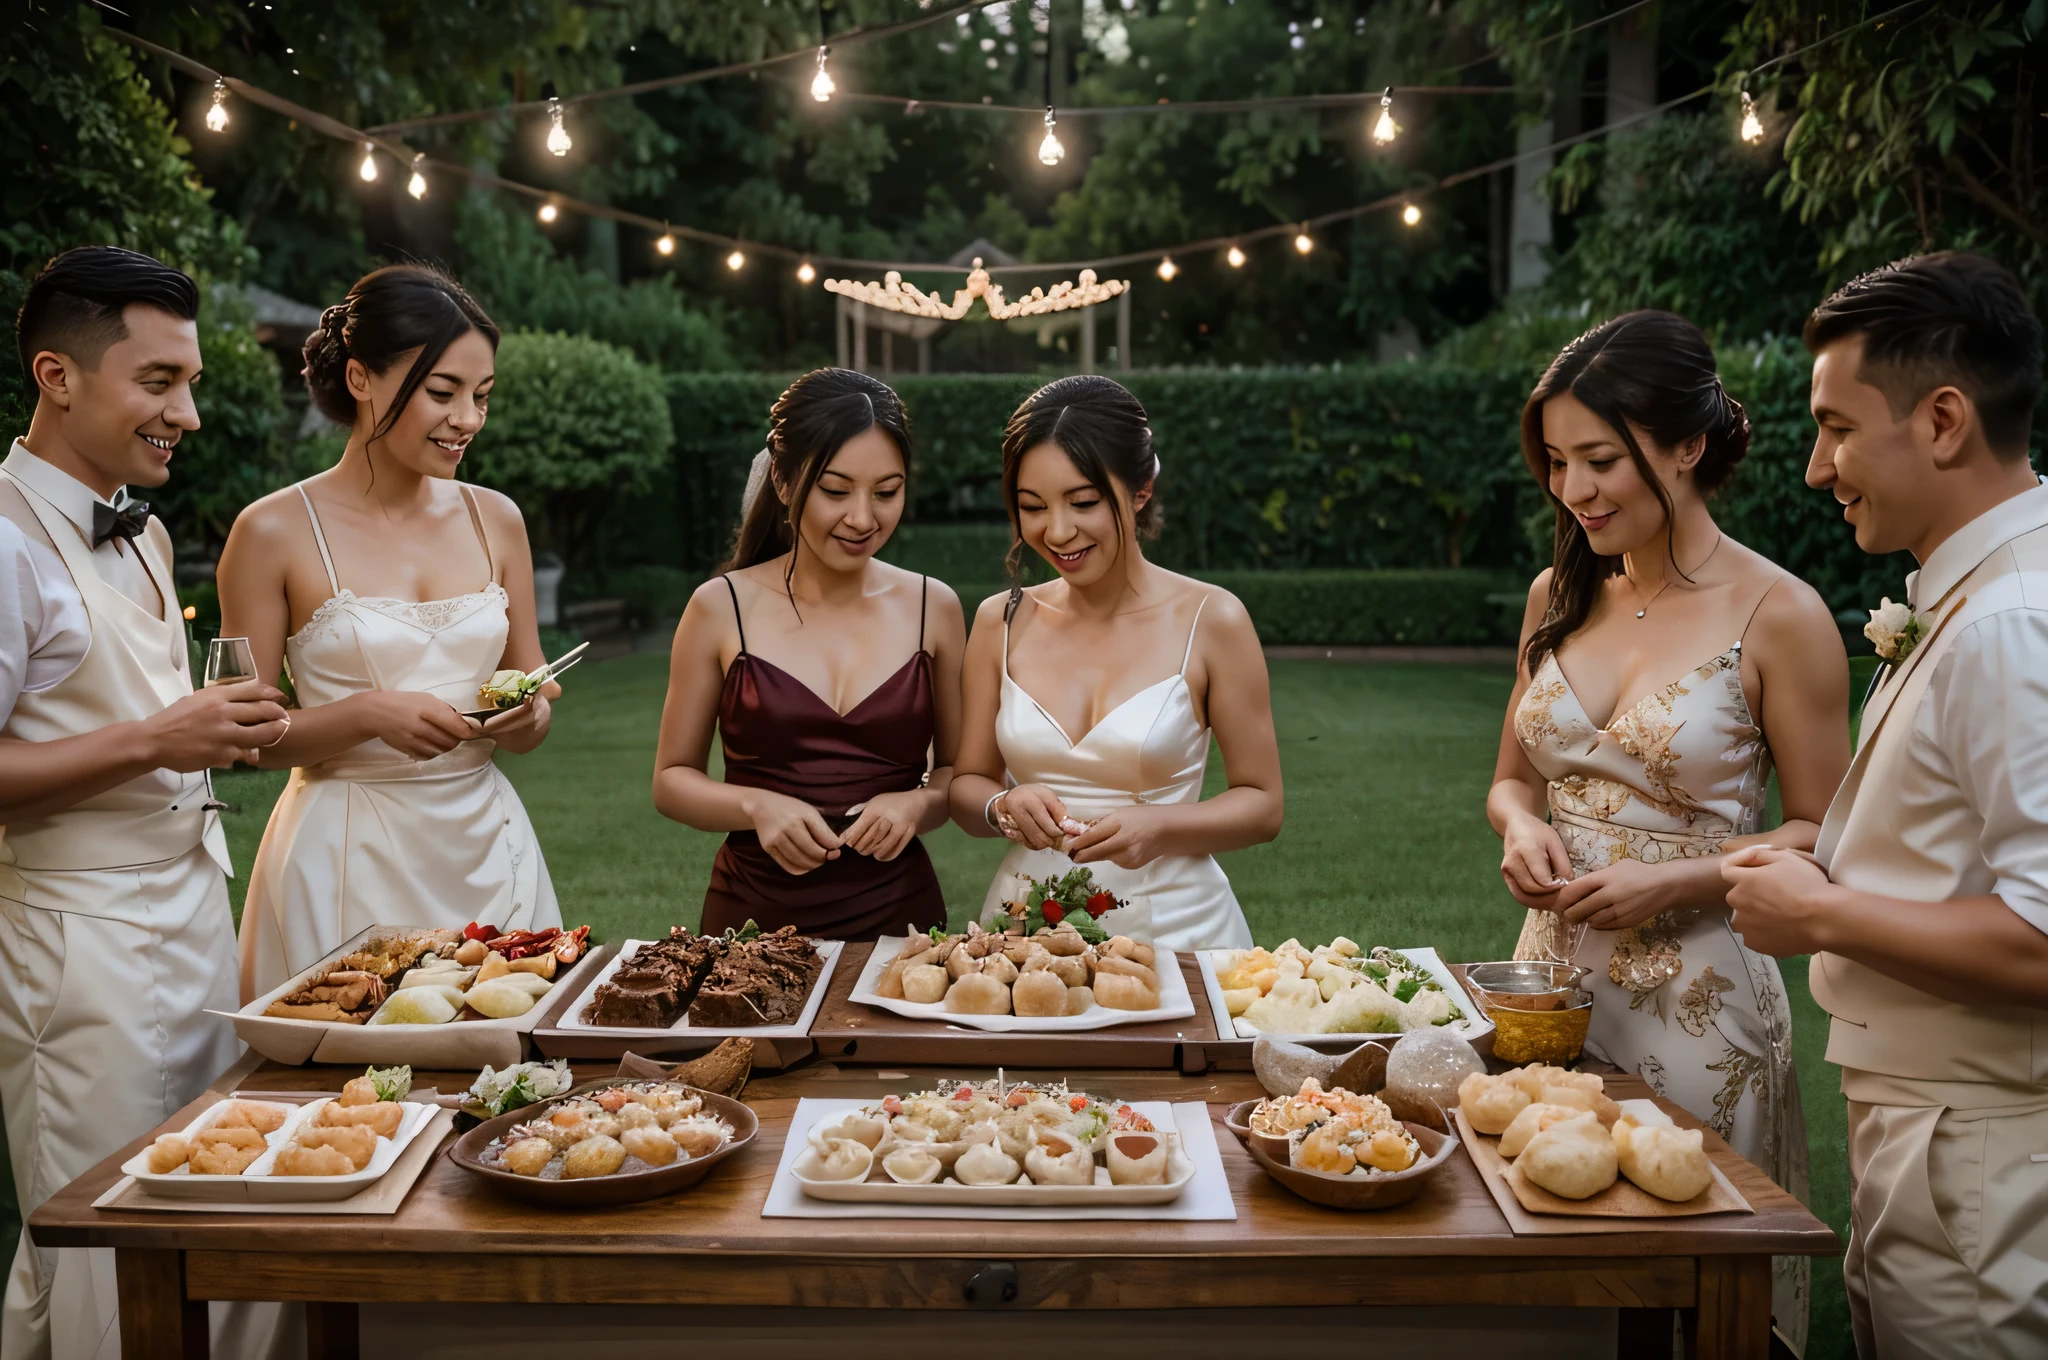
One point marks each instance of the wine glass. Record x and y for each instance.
(229, 661)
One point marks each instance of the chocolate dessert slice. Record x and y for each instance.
(763, 981)
(653, 988)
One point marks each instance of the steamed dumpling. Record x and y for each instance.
(1039, 993)
(860, 1126)
(1670, 1163)
(599, 1156)
(1058, 1160)
(1137, 1159)
(911, 1165)
(1573, 1158)
(978, 994)
(835, 1159)
(925, 983)
(1579, 1098)
(650, 1143)
(527, 1156)
(418, 1006)
(1531, 1121)
(1491, 1103)
(986, 1164)
(499, 1000)
(700, 1135)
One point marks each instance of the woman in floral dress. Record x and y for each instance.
(1631, 758)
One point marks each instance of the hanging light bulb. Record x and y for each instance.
(417, 185)
(1383, 129)
(368, 169)
(822, 85)
(1303, 242)
(1050, 152)
(558, 136)
(735, 262)
(804, 272)
(548, 212)
(666, 245)
(217, 116)
(1167, 268)
(1235, 256)
(1752, 125)
(1411, 214)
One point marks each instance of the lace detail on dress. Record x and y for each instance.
(429, 616)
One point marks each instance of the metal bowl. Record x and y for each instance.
(1526, 985)
(1550, 1036)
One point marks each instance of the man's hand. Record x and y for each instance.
(217, 726)
(1778, 900)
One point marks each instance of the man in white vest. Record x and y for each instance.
(1925, 903)
(114, 920)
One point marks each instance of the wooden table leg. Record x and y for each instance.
(333, 1331)
(157, 1321)
(1733, 1320)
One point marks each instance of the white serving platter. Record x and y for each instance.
(950, 1193)
(257, 1185)
(459, 1043)
(572, 1018)
(1473, 1027)
(1175, 1001)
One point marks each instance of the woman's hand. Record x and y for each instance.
(1626, 893)
(1534, 862)
(524, 728)
(1033, 816)
(792, 831)
(415, 724)
(1128, 838)
(886, 825)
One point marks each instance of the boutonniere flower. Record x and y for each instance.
(1895, 630)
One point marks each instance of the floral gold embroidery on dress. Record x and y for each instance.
(1702, 1000)
(1747, 1073)
(1532, 716)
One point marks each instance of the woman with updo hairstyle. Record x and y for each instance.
(832, 680)
(1090, 700)
(391, 592)
(1664, 669)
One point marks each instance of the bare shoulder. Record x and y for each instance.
(273, 521)
(991, 609)
(1225, 613)
(714, 593)
(1539, 589)
(499, 510)
(1784, 600)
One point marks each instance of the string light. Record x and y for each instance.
(1411, 214)
(1167, 268)
(1383, 129)
(666, 245)
(735, 262)
(558, 136)
(548, 212)
(417, 185)
(1235, 256)
(822, 84)
(1050, 152)
(217, 116)
(1303, 242)
(368, 169)
(806, 274)
(1752, 125)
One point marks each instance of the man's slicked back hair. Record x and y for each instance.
(1950, 318)
(74, 305)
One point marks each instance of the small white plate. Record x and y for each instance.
(257, 1185)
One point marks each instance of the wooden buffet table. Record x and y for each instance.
(456, 1241)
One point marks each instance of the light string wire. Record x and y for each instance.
(1249, 105)
(334, 128)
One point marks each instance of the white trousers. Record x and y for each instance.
(1948, 1232)
(102, 1037)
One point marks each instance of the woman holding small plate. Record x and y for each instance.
(395, 592)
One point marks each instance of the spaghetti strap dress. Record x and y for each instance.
(777, 734)
(372, 836)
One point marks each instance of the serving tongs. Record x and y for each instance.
(551, 671)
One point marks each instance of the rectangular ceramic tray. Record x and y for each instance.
(950, 1193)
(457, 1044)
(256, 1185)
(1475, 1028)
(848, 1030)
(1175, 1002)
(565, 1024)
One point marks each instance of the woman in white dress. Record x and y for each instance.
(393, 592)
(1089, 701)
(1631, 759)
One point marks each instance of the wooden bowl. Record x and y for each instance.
(626, 1187)
(1381, 1190)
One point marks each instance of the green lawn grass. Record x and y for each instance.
(1386, 840)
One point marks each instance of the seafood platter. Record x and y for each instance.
(429, 998)
(1339, 1148)
(992, 1144)
(1337, 992)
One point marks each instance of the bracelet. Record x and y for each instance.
(988, 812)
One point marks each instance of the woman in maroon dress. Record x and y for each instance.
(833, 680)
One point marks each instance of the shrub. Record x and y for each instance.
(578, 428)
